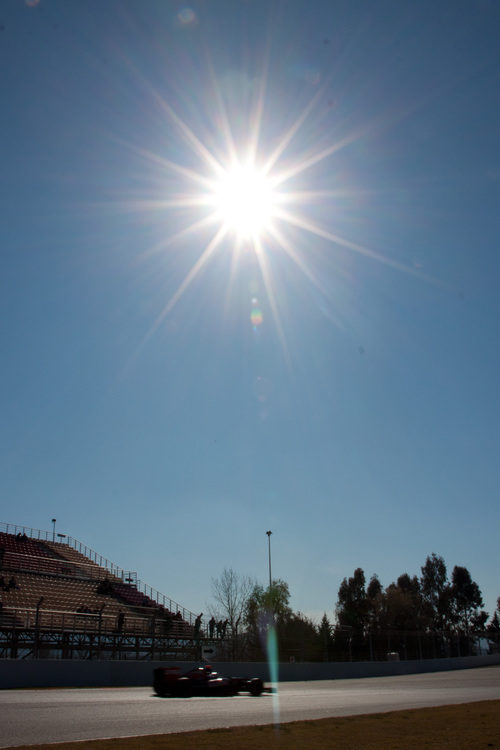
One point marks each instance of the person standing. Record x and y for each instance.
(197, 625)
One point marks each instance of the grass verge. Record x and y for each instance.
(468, 726)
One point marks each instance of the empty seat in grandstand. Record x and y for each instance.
(91, 568)
(23, 544)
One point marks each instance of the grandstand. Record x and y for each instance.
(60, 599)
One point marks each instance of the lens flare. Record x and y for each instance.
(256, 317)
(186, 16)
(273, 662)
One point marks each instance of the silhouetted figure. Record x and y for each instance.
(167, 626)
(211, 627)
(104, 587)
(197, 625)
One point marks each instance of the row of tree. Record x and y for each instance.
(419, 617)
(430, 613)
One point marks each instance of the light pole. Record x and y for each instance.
(54, 529)
(269, 542)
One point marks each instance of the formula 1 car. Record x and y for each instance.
(168, 681)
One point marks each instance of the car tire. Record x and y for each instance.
(256, 687)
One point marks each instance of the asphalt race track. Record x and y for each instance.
(58, 715)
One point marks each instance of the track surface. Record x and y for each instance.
(37, 716)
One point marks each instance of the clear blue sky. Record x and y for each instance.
(341, 385)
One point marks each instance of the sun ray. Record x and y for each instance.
(189, 201)
(189, 278)
(259, 108)
(223, 125)
(295, 256)
(310, 226)
(306, 162)
(291, 132)
(235, 254)
(310, 161)
(263, 262)
(191, 139)
(312, 196)
(172, 166)
(302, 265)
(188, 135)
(166, 164)
(196, 226)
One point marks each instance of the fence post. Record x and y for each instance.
(36, 645)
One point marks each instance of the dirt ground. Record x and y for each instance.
(469, 726)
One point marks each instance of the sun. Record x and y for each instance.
(244, 200)
(240, 189)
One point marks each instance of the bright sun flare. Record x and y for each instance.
(244, 200)
(259, 205)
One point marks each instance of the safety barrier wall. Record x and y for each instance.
(16, 673)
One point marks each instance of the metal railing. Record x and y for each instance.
(130, 576)
(126, 576)
(97, 622)
(12, 528)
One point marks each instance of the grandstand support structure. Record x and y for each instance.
(18, 642)
(60, 599)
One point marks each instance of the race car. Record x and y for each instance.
(168, 681)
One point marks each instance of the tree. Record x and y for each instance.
(325, 637)
(493, 627)
(466, 597)
(352, 603)
(353, 617)
(231, 592)
(374, 588)
(267, 608)
(409, 585)
(375, 604)
(399, 609)
(410, 614)
(298, 637)
(435, 592)
(271, 602)
(479, 620)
